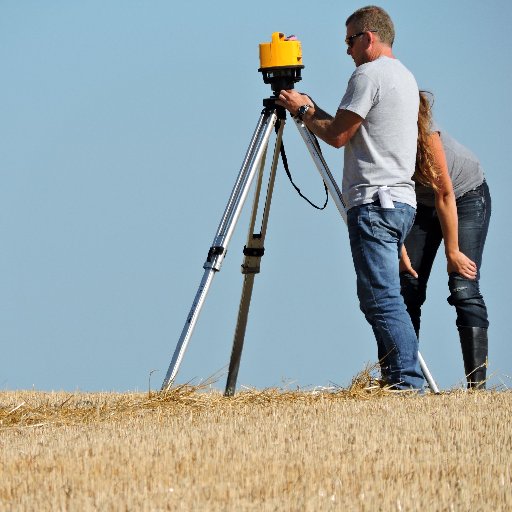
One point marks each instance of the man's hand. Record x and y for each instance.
(291, 100)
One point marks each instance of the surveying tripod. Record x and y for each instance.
(272, 116)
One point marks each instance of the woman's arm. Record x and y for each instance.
(404, 265)
(447, 213)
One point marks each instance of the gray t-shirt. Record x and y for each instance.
(383, 150)
(464, 169)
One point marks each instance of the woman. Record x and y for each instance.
(454, 204)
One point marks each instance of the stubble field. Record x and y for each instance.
(192, 449)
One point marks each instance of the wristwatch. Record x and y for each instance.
(302, 111)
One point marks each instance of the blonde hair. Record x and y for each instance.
(426, 172)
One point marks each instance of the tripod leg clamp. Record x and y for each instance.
(254, 251)
(253, 254)
(215, 256)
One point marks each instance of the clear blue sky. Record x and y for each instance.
(123, 125)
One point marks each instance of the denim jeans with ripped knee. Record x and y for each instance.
(422, 243)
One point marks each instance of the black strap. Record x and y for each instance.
(285, 165)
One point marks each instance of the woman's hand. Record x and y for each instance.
(405, 264)
(458, 262)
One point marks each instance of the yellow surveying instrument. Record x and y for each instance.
(281, 62)
(280, 65)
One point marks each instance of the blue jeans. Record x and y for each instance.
(422, 243)
(376, 237)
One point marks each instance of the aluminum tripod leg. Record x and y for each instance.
(428, 376)
(314, 150)
(335, 193)
(217, 252)
(253, 252)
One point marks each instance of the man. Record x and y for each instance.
(376, 122)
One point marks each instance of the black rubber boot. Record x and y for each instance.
(474, 344)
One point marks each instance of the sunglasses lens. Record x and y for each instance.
(350, 40)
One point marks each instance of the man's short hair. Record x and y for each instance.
(375, 18)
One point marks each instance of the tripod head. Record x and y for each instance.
(281, 62)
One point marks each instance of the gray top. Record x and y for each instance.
(383, 150)
(464, 169)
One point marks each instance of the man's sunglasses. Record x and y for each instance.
(350, 39)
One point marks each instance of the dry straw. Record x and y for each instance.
(58, 409)
(363, 447)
